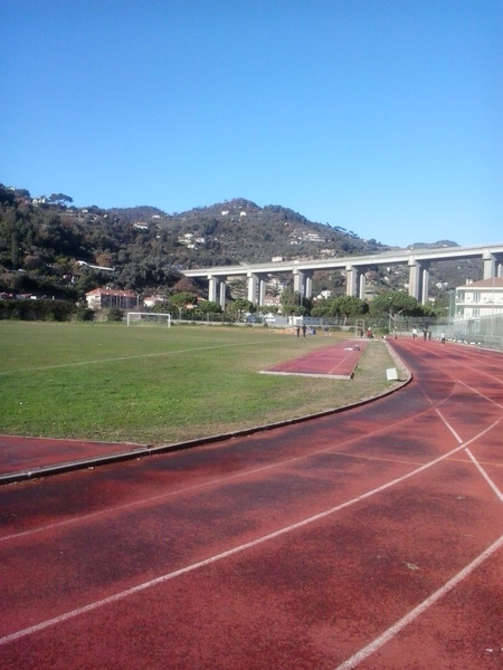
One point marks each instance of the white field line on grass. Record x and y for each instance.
(220, 480)
(125, 358)
(231, 552)
(393, 630)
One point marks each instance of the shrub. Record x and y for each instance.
(84, 314)
(115, 314)
(37, 310)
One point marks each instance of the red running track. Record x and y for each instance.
(19, 454)
(338, 361)
(371, 538)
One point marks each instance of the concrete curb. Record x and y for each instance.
(10, 478)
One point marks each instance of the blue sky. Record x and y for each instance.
(382, 117)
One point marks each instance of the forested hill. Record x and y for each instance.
(47, 245)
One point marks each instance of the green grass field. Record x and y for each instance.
(154, 384)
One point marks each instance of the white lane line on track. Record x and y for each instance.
(230, 552)
(391, 632)
(124, 358)
(483, 395)
(448, 425)
(212, 482)
(484, 474)
(486, 374)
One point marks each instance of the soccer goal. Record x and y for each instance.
(148, 318)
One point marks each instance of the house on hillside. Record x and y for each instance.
(477, 299)
(103, 298)
(153, 300)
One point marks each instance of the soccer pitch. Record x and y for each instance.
(155, 384)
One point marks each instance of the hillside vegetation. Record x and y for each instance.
(47, 246)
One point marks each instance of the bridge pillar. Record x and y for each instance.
(261, 290)
(308, 285)
(489, 265)
(419, 278)
(351, 280)
(223, 289)
(362, 282)
(299, 285)
(252, 287)
(213, 284)
(499, 269)
(414, 278)
(425, 282)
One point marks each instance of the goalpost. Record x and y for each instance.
(148, 318)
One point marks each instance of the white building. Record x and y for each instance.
(479, 298)
(153, 300)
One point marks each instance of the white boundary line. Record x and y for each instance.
(486, 374)
(483, 395)
(391, 632)
(484, 474)
(125, 358)
(230, 552)
(211, 482)
(448, 425)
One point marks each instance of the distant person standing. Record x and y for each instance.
(414, 333)
(298, 331)
(425, 334)
(442, 338)
(304, 330)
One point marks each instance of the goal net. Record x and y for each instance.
(148, 319)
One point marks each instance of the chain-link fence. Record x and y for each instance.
(486, 331)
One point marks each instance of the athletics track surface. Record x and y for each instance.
(338, 361)
(370, 538)
(19, 454)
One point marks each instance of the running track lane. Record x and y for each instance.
(338, 361)
(301, 548)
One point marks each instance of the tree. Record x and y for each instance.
(59, 199)
(181, 301)
(208, 307)
(292, 303)
(393, 303)
(238, 307)
(351, 306)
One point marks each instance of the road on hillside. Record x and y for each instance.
(371, 538)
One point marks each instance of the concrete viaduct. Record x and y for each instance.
(418, 262)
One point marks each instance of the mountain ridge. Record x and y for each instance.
(47, 245)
